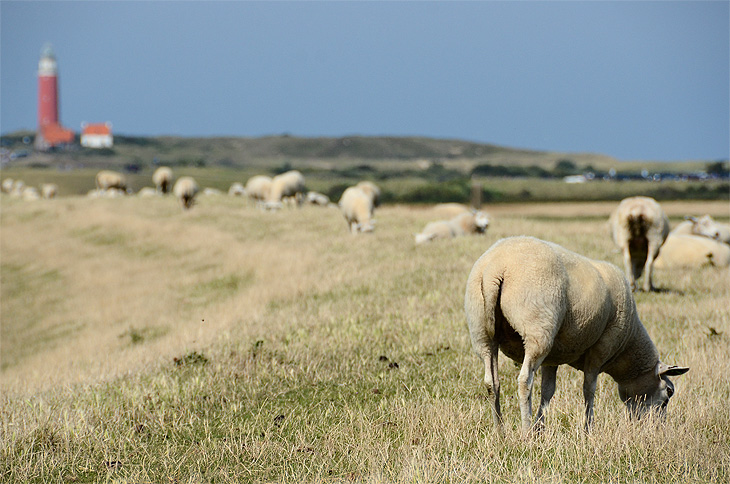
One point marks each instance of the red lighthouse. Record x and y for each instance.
(50, 132)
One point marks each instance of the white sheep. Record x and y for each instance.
(684, 250)
(237, 190)
(107, 179)
(49, 190)
(148, 192)
(7, 185)
(705, 226)
(372, 190)
(546, 306)
(30, 194)
(162, 178)
(357, 207)
(185, 190)
(639, 227)
(286, 187)
(17, 189)
(471, 222)
(316, 198)
(258, 187)
(449, 210)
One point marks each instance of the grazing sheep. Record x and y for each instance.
(107, 179)
(49, 190)
(316, 198)
(692, 251)
(7, 185)
(185, 190)
(162, 178)
(237, 190)
(546, 306)
(471, 222)
(357, 207)
(258, 187)
(639, 227)
(372, 190)
(287, 186)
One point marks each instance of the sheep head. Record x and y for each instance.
(651, 390)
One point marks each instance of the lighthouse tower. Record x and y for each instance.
(50, 132)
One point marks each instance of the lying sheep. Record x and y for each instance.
(288, 186)
(639, 227)
(185, 190)
(49, 190)
(546, 306)
(372, 190)
(107, 179)
(449, 210)
(258, 187)
(319, 199)
(237, 190)
(471, 222)
(704, 226)
(357, 206)
(148, 192)
(30, 194)
(692, 251)
(162, 178)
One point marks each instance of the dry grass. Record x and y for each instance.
(143, 344)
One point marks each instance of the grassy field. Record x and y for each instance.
(143, 344)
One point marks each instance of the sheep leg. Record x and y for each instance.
(524, 388)
(590, 380)
(629, 267)
(491, 379)
(652, 250)
(547, 390)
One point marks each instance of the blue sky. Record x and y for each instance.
(634, 80)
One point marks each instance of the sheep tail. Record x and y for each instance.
(480, 304)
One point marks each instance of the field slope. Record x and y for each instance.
(225, 344)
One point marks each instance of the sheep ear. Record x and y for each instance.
(665, 370)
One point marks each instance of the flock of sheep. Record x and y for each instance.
(18, 189)
(537, 302)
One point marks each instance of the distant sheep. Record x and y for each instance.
(237, 190)
(148, 192)
(449, 210)
(639, 227)
(7, 185)
(471, 222)
(288, 186)
(162, 178)
(319, 199)
(49, 190)
(357, 207)
(107, 179)
(258, 187)
(185, 190)
(30, 194)
(705, 226)
(692, 251)
(372, 190)
(546, 306)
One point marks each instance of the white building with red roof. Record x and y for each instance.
(97, 135)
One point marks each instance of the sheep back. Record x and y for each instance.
(684, 250)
